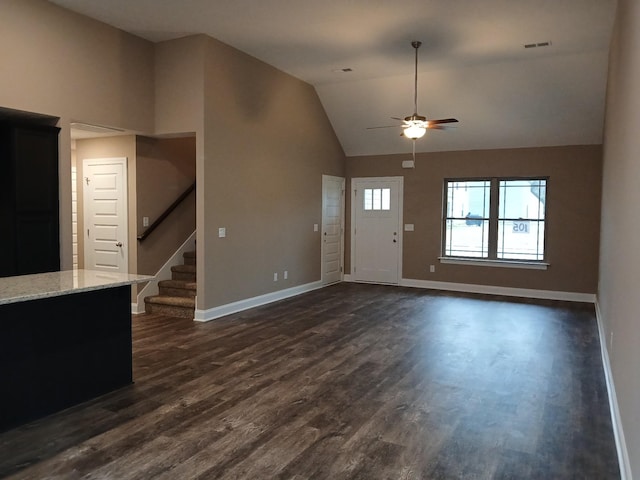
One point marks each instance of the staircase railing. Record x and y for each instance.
(166, 213)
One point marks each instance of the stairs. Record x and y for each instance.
(177, 297)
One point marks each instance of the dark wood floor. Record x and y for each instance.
(350, 381)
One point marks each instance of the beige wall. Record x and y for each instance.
(618, 299)
(65, 64)
(165, 169)
(267, 143)
(62, 64)
(573, 206)
(179, 85)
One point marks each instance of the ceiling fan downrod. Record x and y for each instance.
(415, 127)
(416, 45)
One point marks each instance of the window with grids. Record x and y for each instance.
(495, 219)
(377, 199)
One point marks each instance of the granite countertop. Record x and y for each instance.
(52, 284)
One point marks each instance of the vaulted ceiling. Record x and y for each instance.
(473, 64)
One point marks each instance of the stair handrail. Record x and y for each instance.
(166, 213)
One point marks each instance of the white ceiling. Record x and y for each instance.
(472, 65)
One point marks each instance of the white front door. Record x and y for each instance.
(104, 185)
(376, 233)
(332, 228)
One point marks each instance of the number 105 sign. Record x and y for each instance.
(520, 226)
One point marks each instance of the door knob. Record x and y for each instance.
(119, 244)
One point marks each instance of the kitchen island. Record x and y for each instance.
(65, 337)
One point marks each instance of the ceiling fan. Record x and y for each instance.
(415, 126)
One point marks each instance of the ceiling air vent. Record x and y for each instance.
(536, 45)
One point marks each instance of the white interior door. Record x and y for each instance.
(105, 214)
(376, 233)
(332, 228)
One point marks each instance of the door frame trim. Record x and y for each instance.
(342, 224)
(352, 186)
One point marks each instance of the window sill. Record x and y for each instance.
(494, 263)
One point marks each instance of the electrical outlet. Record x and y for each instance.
(145, 221)
(222, 232)
(432, 268)
(286, 275)
(275, 277)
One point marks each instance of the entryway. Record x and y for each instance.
(376, 234)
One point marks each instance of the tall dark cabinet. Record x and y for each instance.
(29, 215)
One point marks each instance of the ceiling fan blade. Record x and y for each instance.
(384, 126)
(441, 127)
(442, 120)
(403, 120)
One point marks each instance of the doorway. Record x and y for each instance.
(376, 233)
(332, 229)
(105, 214)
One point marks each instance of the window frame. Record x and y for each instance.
(494, 216)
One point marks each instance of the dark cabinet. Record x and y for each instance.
(29, 215)
(59, 351)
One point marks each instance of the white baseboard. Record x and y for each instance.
(494, 290)
(235, 307)
(618, 432)
(135, 308)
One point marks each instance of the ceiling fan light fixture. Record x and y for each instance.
(414, 131)
(415, 118)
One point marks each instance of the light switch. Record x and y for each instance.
(315, 227)
(408, 227)
(222, 232)
(145, 221)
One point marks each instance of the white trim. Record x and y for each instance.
(164, 273)
(495, 263)
(239, 306)
(618, 431)
(505, 291)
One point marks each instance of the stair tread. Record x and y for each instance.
(187, 284)
(188, 302)
(176, 295)
(184, 268)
